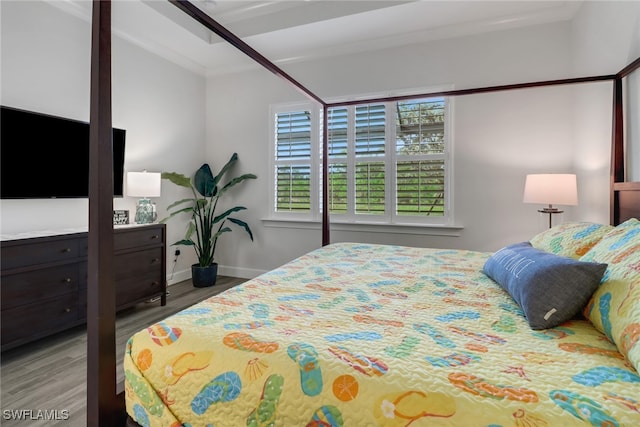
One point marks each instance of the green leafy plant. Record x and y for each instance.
(206, 226)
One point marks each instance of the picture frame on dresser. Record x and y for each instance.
(44, 279)
(120, 217)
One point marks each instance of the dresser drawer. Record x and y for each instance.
(35, 252)
(44, 279)
(134, 238)
(135, 263)
(39, 319)
(129, 291)
(138, 275)
(31, 286)
(138, 288)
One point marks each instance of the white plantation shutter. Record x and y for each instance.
(293, 188)
(357, 143)
(420, 187)
(420, 157)
(293, 135)
(338, 201)
(370, 141)
(293, 161)
(370, 130)
(388, 162)
(338, 131)
(337, 140)
(370, 188)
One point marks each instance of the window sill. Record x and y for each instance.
(368, 227)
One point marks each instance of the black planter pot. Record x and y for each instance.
(203, 277)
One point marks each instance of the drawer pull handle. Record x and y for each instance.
(155, 236)
(66, 250)
(67, 310)
(153, 261)
(67, 280)
(154, 283)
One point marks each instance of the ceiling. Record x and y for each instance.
(300, 30)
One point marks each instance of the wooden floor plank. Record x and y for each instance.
(51, 373)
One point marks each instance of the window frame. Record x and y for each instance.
(314, 161)
(447, 217)
(390, 217)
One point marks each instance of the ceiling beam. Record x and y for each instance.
(197, 14)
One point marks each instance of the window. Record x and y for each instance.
(388, 162)
(295, 161)
(420, 158)
(293, 146)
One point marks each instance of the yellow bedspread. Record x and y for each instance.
(370, 335)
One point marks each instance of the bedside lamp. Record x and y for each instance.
(551, 189)
(144, 184)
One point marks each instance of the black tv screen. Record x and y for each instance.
(44, 156)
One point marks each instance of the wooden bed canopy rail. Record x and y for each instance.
(625, 195)
(105, 398)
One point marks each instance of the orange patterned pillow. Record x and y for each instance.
(614, 308)
(571, 239)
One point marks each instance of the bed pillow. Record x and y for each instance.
(571, 239)
(614, 308)
(549, 288)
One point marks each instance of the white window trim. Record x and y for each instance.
(448, 217)
(315, 160)
(367, 227)
(390, 221)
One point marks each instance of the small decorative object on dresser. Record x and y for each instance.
(144, 184)
(44, 279)
(120, 217)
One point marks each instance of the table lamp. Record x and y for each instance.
(145, 185)
(551, 189)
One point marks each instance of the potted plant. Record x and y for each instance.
(206, 226)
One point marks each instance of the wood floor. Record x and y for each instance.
(51, 374)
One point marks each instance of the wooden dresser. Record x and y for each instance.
(44, 279)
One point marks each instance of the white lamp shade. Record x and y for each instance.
(551, 189)
(143, 184)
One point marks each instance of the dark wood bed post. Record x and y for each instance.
(103, 405)
(617, 149)
(326, 233)
(629, 191)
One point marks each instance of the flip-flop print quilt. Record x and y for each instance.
(374, 335)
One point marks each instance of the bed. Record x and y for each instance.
(361, 334)
(354, 334)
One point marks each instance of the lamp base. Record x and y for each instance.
(550, 210)
(145, 212)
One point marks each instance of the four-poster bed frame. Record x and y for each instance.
(105, 399)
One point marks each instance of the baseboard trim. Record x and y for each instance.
(241, 272)
(179, 276)
(223, 270)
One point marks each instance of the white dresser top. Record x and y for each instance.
(56, 232)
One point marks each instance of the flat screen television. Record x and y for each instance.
(44, 156)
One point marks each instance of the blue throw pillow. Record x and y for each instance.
(550, 289)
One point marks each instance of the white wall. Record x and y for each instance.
(497, 137)
(176, 120)
(45, 68)
(605, 37)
